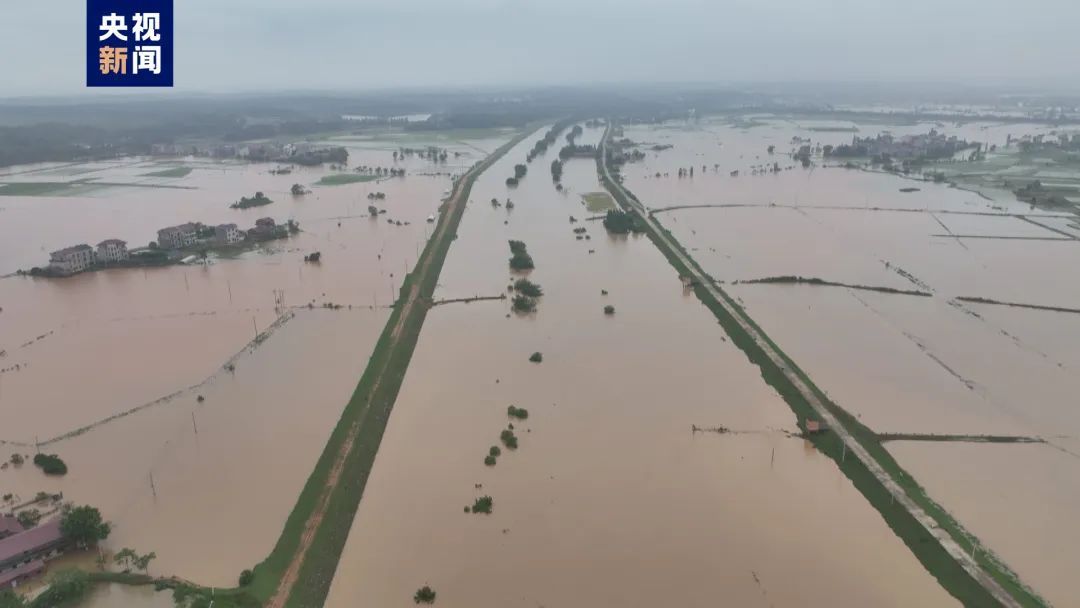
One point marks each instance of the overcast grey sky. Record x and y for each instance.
(230, 45)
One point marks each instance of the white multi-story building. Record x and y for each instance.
(228, 234)
(111, 251)
(72, 259)
(177, 237)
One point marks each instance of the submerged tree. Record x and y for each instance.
(83, 525)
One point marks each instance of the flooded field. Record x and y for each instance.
(611, 496)
(205, 392)
(1019, 500)
(900, 363)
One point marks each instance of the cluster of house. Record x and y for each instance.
(24, 553)
(78, 258)
(927, 145)
(70, 260)
(195, 233)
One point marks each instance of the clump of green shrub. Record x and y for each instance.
(517, 412)
(424, 595)
(609, 310)
(246, 578)
(509, 439)
(520, 258)
(621, 222)
(483, 505)
(528, 288)
(50, 464)
(489, 460)
(523, 304)
(494, 451)
(536, 357)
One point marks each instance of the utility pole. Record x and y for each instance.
(152, 487)
(193, 423)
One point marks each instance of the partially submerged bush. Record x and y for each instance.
(522, 261)
(509, 439)
(621, 222)
(524, 304)
(528, 288)
(609, 310)
(50, 464)
(536, 357)
(424, 595)
(494, 451)
(489, 460)
(246, 578)
(483, 505)
(517, 412)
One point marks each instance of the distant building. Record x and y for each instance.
(72, 259)
(20, 553)
(111, 251)
(177, 237)
(228, 234)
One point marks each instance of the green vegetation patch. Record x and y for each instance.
(174, 172)
(340, 179)
(598, 202)
(33, 188)
(484, 505)
(51, 464)
(517, 412)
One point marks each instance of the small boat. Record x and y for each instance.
(431, 219)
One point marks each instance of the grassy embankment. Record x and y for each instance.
(368, 409)
(72, 188)
(173, 172)
(340, 179)
(796, 280)
(925, 547)
(977, 300)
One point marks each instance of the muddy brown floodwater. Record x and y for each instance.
(106, 368)
(1019, 500)
(610, 498)
(901, 363)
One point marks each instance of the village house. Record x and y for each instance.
(72, 259)
(228, 234)
(177, 237)
(111, 251)
(24, 554)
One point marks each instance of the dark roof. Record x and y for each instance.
(10, 576)
(30, 540)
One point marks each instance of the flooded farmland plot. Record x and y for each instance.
(205, 392)
(1019, 500)
(917, 312)
(611, 496)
